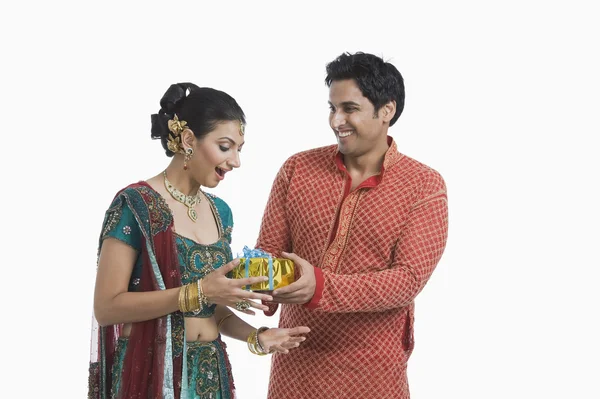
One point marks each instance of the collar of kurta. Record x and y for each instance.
(391, 158)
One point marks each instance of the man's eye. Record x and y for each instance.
(349, 110)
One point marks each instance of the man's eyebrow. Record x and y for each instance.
(346, 103)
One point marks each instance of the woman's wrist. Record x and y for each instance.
(203, 298)
(258, 343)
(191, 297)
(253, 343)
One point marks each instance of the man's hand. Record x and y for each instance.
(302, 290)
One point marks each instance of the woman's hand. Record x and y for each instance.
(221, 290)
(282, 339)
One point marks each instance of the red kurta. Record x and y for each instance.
(390, 235)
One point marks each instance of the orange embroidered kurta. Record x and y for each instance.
(373, 250)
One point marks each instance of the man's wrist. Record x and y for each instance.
(313, 303)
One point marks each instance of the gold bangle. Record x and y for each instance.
(188, 305)
(258, 345)
(194, 300)
(182, 299)
(201, 297)
(251, 339)
(222, 320)
(189, 299)
(253, 344)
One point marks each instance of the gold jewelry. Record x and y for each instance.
(250, 342)
(188, 155)
(189, 300)
(184, 300)
(188, 200)
(222, 320)
(203, 298)
(182, 306)
(242, 305)
(254, 345)
(176, 127)
(194, 298)
(242, 129)
(258, 345)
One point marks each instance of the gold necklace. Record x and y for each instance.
(188, 200)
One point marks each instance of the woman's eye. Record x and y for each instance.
(224, 149)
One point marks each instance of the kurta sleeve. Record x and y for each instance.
(274, 236)
(418, 251)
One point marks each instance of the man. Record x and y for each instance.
(367, 226)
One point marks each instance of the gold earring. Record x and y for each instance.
(188, 155)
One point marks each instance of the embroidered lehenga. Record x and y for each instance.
(155, 361)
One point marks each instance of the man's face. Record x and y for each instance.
(356, 125)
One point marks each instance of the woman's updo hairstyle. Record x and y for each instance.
(202, 108)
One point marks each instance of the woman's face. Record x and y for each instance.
(217, 153)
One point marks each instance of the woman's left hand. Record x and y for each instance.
(282, 339)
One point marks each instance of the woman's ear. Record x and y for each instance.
(188, 140)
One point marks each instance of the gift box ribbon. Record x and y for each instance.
(258, 253)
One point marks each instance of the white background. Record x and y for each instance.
(502, 98)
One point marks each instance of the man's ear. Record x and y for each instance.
(388, 111)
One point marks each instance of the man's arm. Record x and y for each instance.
(274, 236)
(418, 251)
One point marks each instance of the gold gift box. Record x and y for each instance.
(283, 272)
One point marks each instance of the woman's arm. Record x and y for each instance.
(113, 304)
(231, 325)
(272, 340)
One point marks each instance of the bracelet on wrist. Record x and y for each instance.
(190, 298)
(254, 345)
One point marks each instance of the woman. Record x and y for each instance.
(162, 292)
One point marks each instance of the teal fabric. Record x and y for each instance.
(118, 366)
(207, 369)
(124, 228)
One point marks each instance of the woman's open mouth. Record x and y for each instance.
(220, 173)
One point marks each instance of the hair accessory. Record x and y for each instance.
(176, 127)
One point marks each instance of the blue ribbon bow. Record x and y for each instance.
(258, 253)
